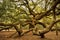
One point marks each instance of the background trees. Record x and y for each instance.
(42, 14)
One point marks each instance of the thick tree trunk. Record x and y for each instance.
(18, 30)
(42, 35)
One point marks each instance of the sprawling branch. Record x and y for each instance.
(46, 13)
(46, 30)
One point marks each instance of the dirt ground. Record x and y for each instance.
(29, 36)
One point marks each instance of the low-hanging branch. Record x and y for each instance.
(46, 30)
(4, 28)
(10, 26)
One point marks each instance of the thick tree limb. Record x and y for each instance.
(49, 28)
(46, 30)
(46, 13)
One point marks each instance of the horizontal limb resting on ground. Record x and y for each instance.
(46, 30)
(12, 25)
(23, 33)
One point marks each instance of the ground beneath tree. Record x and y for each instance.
(29, 36)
